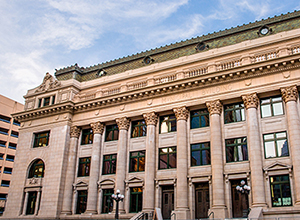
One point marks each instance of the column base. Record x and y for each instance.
(255, 213)
(218, 212)
(90, 212)
(181, 214)
(66, 213)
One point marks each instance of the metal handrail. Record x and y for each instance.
(212, 213)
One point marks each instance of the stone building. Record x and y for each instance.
(177, 127)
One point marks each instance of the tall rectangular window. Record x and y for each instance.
(107, 202)
(81, 201)
(84, 166)
(109, 164)
(137, 161)
(87, 136)
(136, 199)
(280, 191)
(41, 139)
(234, 113)
(236, 149)
(167, 158)
(200, 154)
(112, 133)
(139, 129)
(271, 106)
(46, 101)
(199, 118)
(276, 145)
(31, 202)
(168, 123)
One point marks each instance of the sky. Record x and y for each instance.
(39, 36)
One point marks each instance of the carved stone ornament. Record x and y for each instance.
(97, 127)
(214, 107)
(123, 123)
(33, 181)
(150, 118)
(289, 93)
(250, 100)
(49, 82)
(74, 132)
(181, 113)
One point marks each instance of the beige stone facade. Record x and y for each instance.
(178, 129)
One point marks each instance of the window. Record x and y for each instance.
(41, 139)
(81, 201)
(200, 154)
(7, 170)
(53, 100)
(5, 183)
(87, 136)
(16, 122)
(4, 118)
(84, 166)
(271, 107)
(107, 202)
(136, 199)
(31, 202)
(167, 158)
(37, 169)
(4, 131)
(276, 145)
(46, 101)
(1, 156)
(2, 143)
(234, 113)
(40, 103)
(280, 191)
(3, 196)
(167, 124)
(109, 164)
(199, 118)
(137, 161)
(10, 158)
(139, 129)
(236, 149)
(14, 134)
(12, 146)
(112, 133)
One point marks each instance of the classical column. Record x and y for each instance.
(123, 124)
(37, 203)
(216, 148)
(25, 203)
(254, 150)
(182, 207)
(149, 189)
(95, 167)
(70, 171)
(290, 95)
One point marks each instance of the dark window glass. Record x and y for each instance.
(167, 123)
(4, 131)
(4, 118)
(234, 113)
(46, 101)
(167, 158)
(236, 149)
(139, 129)
(136, 199)
(271, 107)
(137, 161)
(109, 164)
(53, 100)
(81, 201)
(112, 133)
(14, 134)
(41, 139)
(2, 143)
(200, 154)
(5, 183)
(3, 196)
(12, 146)
(280, 191)
(199, 118)
(87, 136)
(40, 103)
(84, 166)
(7, 170)
(32, 196)
(37, 169)
(16, 122)
(1, 156)
(107, 202)
(276, 145)
(10, 158)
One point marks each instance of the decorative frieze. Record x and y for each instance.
(250, 100)
(289, 93)
(74, 132)
(181, 113)
(123, 123)
(97, 127)
(214, 107)
(150, 118)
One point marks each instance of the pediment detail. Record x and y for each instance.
(277, 166)
(49, 82)
(106, 182)
(134, 179)
(80, 183)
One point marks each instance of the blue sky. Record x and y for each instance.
(39, 36)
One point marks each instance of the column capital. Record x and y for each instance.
(151, 118)
(74, 132)
(214, 107)
(250, 100)
(123, 123)
(289, 93)
(181, 113)
(97, 127)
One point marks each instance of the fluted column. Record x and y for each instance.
(290, 95)
(123, 124)
(254, 150)
(95, 167)
(149, 189)
(70, 171)
(218, 189)
(182, 207)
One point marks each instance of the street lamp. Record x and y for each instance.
(243, 188)
(117, 197)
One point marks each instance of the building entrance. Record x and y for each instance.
(201, 200)
(167, 201)
(240, 204)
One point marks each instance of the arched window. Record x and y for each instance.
(37, 169)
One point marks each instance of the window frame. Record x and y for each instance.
(201, 114)
(37, 138)
(275, 139)
(280, 183)
(160, 152)
(200, 150)
(111, 128)
(139, 196)
(236, 145)
(89, 134)
(233, 109)
(111, 159)
(32, 169)
(105, 203)
(84, 164)
(139, 124)
(169, 123)
(271, 103)
(139, 156)
(81, 194)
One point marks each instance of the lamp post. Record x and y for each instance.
(244, 189)
(117, 197)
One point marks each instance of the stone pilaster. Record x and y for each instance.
(290, 95)
(149, 189)
(98, 128)
(70, 171)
